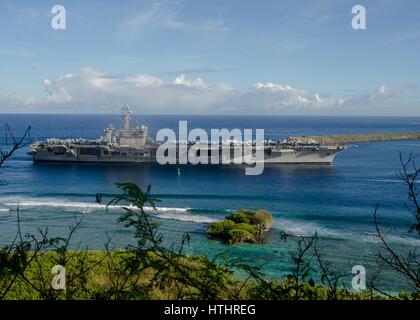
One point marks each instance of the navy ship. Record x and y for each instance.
(131, 144)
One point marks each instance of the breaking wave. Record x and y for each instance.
(307, 229)
(171, 213)
(295, 227)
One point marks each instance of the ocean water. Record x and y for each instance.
(335, 201)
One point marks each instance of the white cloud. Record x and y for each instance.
(144, 81)
(183, 81)
(276, 88)
(157, 15)
(284, 96)
(92, 91)
(165, 15)
(384, 91)
(382, 94)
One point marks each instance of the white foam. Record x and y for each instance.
(293, 227)
(172, 213)
(186, 217)
(305, 229)
(44, 202)
(392, 239)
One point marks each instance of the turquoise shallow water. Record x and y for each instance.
(335, 201)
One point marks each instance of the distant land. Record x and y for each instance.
(369, 137)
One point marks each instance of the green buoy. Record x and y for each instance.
(179, 172)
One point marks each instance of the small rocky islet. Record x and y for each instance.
(242, 226)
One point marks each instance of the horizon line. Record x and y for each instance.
(208, 115)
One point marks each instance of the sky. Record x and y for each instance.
(267, 57)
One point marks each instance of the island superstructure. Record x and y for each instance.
(131, 144)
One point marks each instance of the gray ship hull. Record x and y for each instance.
(133, 145)
(286, 156)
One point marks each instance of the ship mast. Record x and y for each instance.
(126, 116)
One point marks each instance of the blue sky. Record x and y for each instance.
(211, 57)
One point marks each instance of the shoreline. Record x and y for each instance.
(357, 138)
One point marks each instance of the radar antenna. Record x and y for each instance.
(126, 116)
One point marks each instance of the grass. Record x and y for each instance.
(149, 270)
(104, 269)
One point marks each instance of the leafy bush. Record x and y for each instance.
(219, 227)
(242, 226)
(265, 217)
(243, 216)
(148, 270)
(238, 234)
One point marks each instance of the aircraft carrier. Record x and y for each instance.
(131, 144)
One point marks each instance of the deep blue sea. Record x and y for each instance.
(336, 201)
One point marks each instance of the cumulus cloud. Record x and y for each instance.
(92, 91)
(384, 91)
(382, 94)
(183, 81)
(284, 96)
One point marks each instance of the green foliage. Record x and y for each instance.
(356, 138)
(287, 289)
(409, 295)
(219, 227)
(242, 226)
(241, 232)
(149, 270)
(265, 217)
(243, 216)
